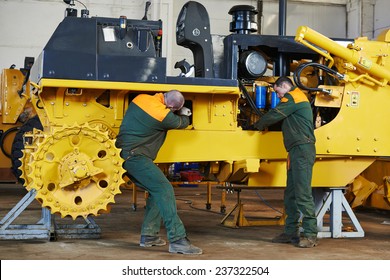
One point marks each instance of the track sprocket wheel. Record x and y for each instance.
(76, 171)
(31, 138)
(20, 153)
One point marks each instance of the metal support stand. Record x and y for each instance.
(89, 230)
(239, 219)
(46, 228)
(333, 200)
(40, 230)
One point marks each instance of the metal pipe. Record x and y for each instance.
(281, 65)
(282, 17)
(260, 17)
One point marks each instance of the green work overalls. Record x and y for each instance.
(141, 135)
(298, 136)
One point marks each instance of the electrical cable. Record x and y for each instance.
(37, 104)
(266, 203)
(71, 3)
(191, 204)
(85, 7)
(187, 201)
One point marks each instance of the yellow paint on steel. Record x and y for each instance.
(355, 55)
(138, 87)
(12, 103)
(76, 171)
(327, 172)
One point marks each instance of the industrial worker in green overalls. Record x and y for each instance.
(142, 133)
(298, 136)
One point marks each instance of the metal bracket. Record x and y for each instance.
(333, 200)
(46, 228)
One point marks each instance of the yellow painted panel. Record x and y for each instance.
(138, 87)
(338, 172)
(201, 145)
(214, 112)
(327, 172)
(358, 129)
(332, 99)
(271, 174)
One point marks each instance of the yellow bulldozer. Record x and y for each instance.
(91, 68)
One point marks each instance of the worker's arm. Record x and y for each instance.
(285, 107)
(173, 121)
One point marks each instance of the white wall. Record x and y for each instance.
(367, 17)
(26, 25)
(328, 19)
(381, 16)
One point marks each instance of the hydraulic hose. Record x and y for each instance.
(300, 68)
(2, 138)
(250, 100)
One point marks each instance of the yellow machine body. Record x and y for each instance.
(13, 108)
(76, 169)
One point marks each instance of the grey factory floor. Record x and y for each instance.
(120, 231)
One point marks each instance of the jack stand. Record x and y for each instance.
(333, 200)
(40, 230)
(89, 230)
(46, 228)
(239, 219)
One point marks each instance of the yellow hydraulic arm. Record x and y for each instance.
(355, 56)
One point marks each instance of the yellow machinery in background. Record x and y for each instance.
(15, 111)
(91, 68)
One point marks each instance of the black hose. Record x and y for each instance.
(37, 104)
(2, 138)
(300, 68)
(250, 100)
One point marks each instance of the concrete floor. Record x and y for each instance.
(120, 231)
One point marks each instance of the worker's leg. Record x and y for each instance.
(290, 205)
(302, 161)
(152, 218)
(147, 175)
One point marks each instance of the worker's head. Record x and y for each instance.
(174, 100)
(282, 86)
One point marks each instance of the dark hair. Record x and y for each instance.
(282, 80)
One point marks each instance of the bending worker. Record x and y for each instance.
(298, 136)
(141, 135)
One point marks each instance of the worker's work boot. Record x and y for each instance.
(183, 246)
(286, 238)
(149, 241)
(308, 242)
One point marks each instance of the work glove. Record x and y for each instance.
(184, 111)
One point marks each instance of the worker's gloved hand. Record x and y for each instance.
(184, 111)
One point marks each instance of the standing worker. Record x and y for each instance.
(142, 133)
(298, 136)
